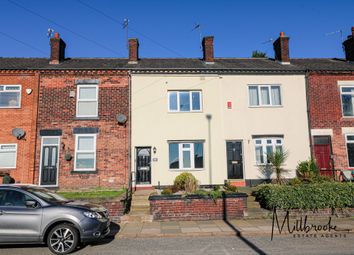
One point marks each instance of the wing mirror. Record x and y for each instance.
(31, 204)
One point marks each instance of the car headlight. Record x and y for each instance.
(92, 215)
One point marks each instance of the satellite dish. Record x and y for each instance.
(19, 133)
(121, 118)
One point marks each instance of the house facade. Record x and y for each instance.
(217, 118)
(83, 122)
(18, 115)
(331, 104)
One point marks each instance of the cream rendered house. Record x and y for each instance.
(216, 118)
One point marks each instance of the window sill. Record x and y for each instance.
(186, 170)
(84, 172)
(185, 112)
(86, 118)
(266, 106)
(7, 108)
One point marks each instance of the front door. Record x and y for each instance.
(49, 169)
(234, 160)
(143, 165)
(322, 151)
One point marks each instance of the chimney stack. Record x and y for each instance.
(133, 51)
(281, 49)
(349, 47)
(57, 49)
(208, 49)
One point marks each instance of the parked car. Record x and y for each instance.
(31, 214)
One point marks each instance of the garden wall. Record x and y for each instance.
(197, 207)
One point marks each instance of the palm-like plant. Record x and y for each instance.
(276, 161)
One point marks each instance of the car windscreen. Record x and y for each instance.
(47, 195)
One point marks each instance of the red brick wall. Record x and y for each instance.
(198, 208)
(25, 118)
(57, 110)
(326, 111)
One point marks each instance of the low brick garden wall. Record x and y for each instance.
(196, 207)
(115, 206)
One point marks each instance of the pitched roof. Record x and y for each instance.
(151, 64)
(225, 65)
(324, 64)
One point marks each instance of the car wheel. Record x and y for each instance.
(62, 239)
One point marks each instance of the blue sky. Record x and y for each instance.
(164, 27)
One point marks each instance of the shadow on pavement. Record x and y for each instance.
(238, 232)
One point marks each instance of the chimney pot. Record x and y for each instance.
(208, 49)
(353, 32)
(133, 50)
(57, 49)
(281, 49)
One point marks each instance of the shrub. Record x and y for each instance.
(277, 160)
(230, 188)
(167, 191)
(306, 196)
(307, 169)
(186, 181)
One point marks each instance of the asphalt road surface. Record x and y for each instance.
(205, 245)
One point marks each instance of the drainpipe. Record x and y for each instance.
(308, 109)
(130, 177)
(208, 116)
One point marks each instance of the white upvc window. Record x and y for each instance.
(85, 152)
(8, 155)
(184, 101)
(347, 97)
(186, 155)
(349, 138)
(87, 101)
(264, 95)
(265, 146)
(10, 96)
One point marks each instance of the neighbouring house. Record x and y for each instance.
(216, 117)
(83, 122)
(18, 117)
(331, 109)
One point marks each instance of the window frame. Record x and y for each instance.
(20, 97)
(191, 153)
(346, 145)
(78, 100)
(190, 100)
(16, 147)
(341, 99)
(269, 87)
(77, 136)
(264, 145)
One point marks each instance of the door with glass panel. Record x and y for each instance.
(49, 161)
(143, 165)
(234, 160)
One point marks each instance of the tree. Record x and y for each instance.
(258, 54)
(276, 161)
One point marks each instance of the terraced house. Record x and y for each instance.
(216, 118)
(331, 104)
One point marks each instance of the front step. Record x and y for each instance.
(140, 207)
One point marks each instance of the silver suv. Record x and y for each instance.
(31, 214)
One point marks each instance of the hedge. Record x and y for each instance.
(306, 196)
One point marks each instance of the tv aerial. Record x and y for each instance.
(50, 32)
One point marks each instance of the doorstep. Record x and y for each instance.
(237, 182)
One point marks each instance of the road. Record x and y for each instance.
(205, 245)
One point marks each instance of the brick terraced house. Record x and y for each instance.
(18, 115)
(330, 89)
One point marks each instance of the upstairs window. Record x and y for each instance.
(184, 101)
(87, 101)
(10, 96)
(347, 94)
(8, 154)
(264, 95)
(265, 146)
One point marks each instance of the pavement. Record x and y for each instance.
(242, 227)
